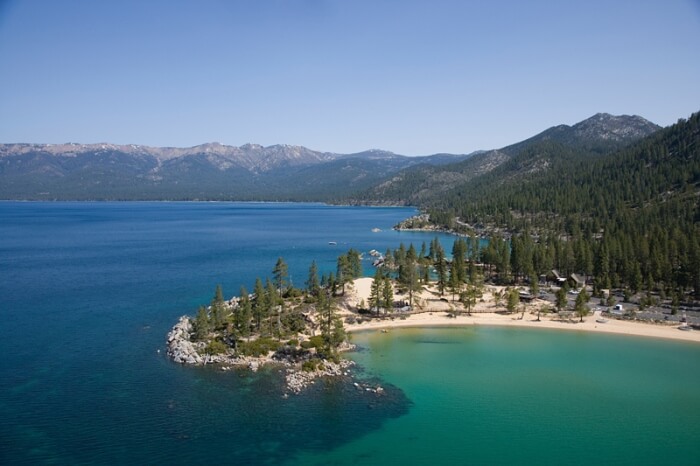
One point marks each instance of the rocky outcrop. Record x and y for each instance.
(180, 348)
(298, 380)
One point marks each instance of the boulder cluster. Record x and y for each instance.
(180, 348)
(297, 380)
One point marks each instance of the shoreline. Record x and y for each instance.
(485, 314)
(632, 329)
(180, 349)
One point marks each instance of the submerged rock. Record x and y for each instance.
(297, 380)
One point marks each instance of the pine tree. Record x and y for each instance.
(343, 273)
(441, 270)
(332, 284)
(217, 308)
(512, 300)
(312, 283)
(280, 274)
(387, 295)
(580, 306)
(534, 284)
(454, 285)
(243, 314)
(459, 251)
(375, 295)
(561, 301)
(468, 298)
(259, 304)
(273, 301)
(432, 250)
(354, 264)
(329, 322)
(201, 324)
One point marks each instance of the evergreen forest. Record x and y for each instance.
(627, 219)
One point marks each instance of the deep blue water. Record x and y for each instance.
(88, 292)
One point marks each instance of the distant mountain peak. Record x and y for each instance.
(249, 146)
(615, 128)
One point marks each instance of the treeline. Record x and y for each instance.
(630, 219)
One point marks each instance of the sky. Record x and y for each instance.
(412, 77)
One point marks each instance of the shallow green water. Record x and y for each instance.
(522, 396)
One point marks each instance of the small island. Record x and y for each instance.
(277, 323)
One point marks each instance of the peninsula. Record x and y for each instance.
(305, 330)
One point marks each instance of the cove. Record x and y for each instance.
(494, 395)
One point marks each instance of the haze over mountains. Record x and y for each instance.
(209, 171)
(276, 173)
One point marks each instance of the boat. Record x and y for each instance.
(685, 327)
(601, 320)
(376, 230)
(332, 243)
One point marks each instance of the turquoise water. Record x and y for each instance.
(89, 290)
(521, 396)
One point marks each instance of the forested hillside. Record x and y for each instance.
(630, 218)
(598, 135)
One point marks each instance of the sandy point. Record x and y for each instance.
(487, 314)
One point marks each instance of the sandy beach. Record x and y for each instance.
(487, 314)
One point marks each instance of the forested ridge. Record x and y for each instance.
(593, 137)
(630, 218)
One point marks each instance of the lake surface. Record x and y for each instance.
(89, 290)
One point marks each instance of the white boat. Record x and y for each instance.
(601, 320)
(685, 327)
(332, 243)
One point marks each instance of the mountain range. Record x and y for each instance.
(209, 172)
(215, 171)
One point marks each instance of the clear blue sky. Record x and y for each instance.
(412, 77)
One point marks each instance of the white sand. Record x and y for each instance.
(361, 290)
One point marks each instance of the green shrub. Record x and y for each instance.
(306, 344)
(293, 293)
(317, 342)
(333, 357)
(258, 347)
(310, 365)
(215, 347)
(294, 322)
(293, 342)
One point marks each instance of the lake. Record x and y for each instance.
(89, 291)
